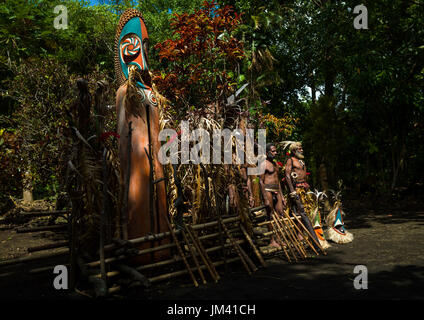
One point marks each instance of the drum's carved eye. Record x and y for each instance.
(130, 48)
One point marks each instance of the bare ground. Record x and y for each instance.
(388, 241)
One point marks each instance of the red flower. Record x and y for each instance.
(308, 173)
(287, 153)
(279, 163)
(106, 135)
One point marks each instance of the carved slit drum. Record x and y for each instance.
(136, 103)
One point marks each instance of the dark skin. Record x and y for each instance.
(248, 190)
(294, 165)
(270, 176)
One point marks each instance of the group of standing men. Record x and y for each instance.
(295, 177)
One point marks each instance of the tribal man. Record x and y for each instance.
(296, 176)
(271, 188)
(295, 168)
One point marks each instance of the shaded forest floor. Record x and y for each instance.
(389, 241)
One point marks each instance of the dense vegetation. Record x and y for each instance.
(354, 97)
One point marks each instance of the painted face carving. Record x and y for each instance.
(133, 46)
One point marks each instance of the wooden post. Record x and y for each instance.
(180, 250)
(255, 250)
(193, 255)
(124, 213)
(289, 229)
(204, 255)
(237, 248)
(102, 220)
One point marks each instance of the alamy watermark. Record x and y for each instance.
(361, 20)
(61, 21)
(361, 280)
(60, 282)
(177, 147)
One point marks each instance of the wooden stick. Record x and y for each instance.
(252, 245)
(134, 274)
(286, 237)
(306, 238)
(296, 240)
(173, 260)
(124, 212)
(123, 256)
(270, 222)
(305, 229)
(247, 258)
(43, 213)
(166, 262)
(202, 253)
(162, 235)
(148, 250)
(293, 236)
(282, 243)
(40, 257)
(242, 258)
(102, 219)
(309, 234)
(180, 250)
(48, 246)
(173, 274)
(257, 209)
(205, 252)
(193, 255)
(42, 228)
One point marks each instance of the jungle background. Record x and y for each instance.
(354, 97)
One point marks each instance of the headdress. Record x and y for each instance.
(293, 145)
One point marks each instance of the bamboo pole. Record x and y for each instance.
(174, 260)
(205, 252)
(298, 230)
(43, 269)
(145, 251)
(313, 239)
(173, 274)
(202, 253)
(180, 250)
(257, 209)
(169, 261)
(264, 223)
(162, 235)
(292, 234)
(43, 228)
(102, 220)
(286, 238)
(43, 213)
(282, 243)
(134, 274)
(288, 226)
(242, 258)
(40, 257)
(48, 246)
(124, 212)
(193, 255)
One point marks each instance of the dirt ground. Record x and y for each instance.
(388, 241)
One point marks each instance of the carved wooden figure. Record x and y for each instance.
(137, 107)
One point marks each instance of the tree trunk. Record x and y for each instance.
(322, 173)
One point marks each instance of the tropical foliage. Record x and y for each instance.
(354, 97)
